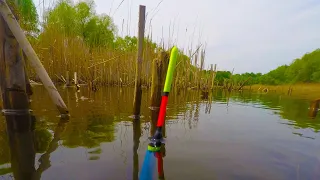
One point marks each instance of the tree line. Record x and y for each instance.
(301, 70)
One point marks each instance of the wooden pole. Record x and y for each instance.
(28, 85)
(19, 122)
(3, 83)
(154, 119)
(12, 74)
(76, 83)
(159, 71)
(75, 78)
(32, 56)
(67, 78)
(138, 91)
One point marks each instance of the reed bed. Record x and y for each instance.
(66, 46)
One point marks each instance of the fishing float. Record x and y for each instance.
(153, 153)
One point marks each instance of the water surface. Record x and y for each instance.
(240, 135)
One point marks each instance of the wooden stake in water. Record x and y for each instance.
(12, 72)
(75, 78)
(159, 71)
(67, 78)
(138, 91)
(32, 56)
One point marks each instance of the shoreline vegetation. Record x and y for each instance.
(300, 72)
(78, 46)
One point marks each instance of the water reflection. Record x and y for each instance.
(294, 110)
(136, 141)
(230, 122)
(44, 160)
(25, 142)
(314, 108)
(21, 142)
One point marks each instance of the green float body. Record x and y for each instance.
(171, 68)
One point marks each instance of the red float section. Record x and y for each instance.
(162, 112)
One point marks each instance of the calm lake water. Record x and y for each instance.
(239, 136)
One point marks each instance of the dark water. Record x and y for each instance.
(238, 136)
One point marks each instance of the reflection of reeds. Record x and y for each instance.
(104, 108)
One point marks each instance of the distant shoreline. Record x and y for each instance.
(310, 91)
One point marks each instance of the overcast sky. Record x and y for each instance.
(248, 35)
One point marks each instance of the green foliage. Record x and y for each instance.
(27, 15)
(100, 128)
(42, 140)
(4, 171)
(99, 31)
(221, 76)
(303, 70)
(127, 43)
(80, 20)
(64, 18)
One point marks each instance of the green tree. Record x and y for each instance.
(301, 70)
(99, 31)
(80, 20)
(221, 76)
(28, 16)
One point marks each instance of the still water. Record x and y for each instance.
(240, 135)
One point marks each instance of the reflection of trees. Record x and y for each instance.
(4, 150)
(24, 143)
(97, 129)
(42, 139)
(92, 121)
(38, 138)
(292, 109)
(52, 146)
